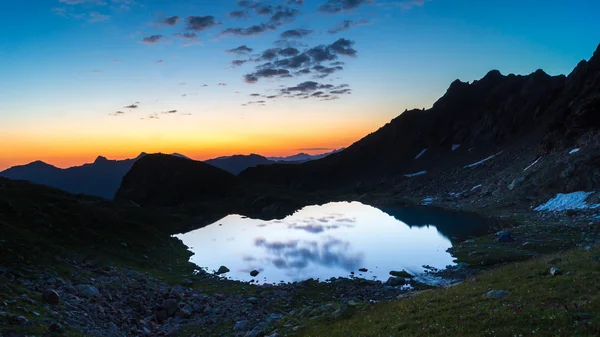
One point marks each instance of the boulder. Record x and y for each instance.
(241, 326)
(402, 273)
(395, 281)
(170, 306)
(497, 294)
(504, 236)
(51, 297)
(88, 291)
(254, 273)
(555, 271)
(222, 270)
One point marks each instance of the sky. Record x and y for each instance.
(206, 78)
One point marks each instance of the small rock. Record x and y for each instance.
(187, 311)
(161, 316)
(170, 306)
(504, 236)
(395, 281)
(88, 291)
(497, 294)
(254, 273)
(555, 271)
(55, 327)
(515, 183)
(241, 326)
(252, 300)
(257, 331)
(223, 270)
(51, 297)
(403, 274)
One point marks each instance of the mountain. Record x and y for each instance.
(100, 178)
(470, 122)
(303, 157)
(238, 163)
(164, 180)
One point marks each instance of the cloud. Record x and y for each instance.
(263, 9)
(255, 95)
(222, 84)
(249, 31)
(153, 39)
(347, 24)
(187, 36)
(311, 89)
(238, 63)
(289, 52)
(406, 4)
(240, 50)
(296, 33)
(285, 15)
(238, 14)
(160, 61)
(337, 6)
(171, 20)
(117, 113)
(79, 2)
(294, 2)
(267, 73)
(169, 112)
(200, 23)
(326, 71)
(343, 47)
(132, 106)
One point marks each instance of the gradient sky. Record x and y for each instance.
(69, 69)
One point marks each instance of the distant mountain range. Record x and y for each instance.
(103, 177)
(303, 157)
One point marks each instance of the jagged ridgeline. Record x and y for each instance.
(548, 112)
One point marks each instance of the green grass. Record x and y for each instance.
(538, 304)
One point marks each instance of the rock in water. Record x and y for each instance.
(51, 297)
(497, 294)
(254, 273)
(403, 274)
(222, 270)
(395, 281)
(555, 271)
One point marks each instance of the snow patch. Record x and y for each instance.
(483, 161)
(455, 146)
(574, 151)
(475, 187)
(415, 174)
(563, 202)
(530, 166)
(421, 154)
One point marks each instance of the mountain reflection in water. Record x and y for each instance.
(331, 240)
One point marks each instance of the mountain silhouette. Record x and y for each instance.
(101, 178)
(165, 180)
(238, 163)
(303, 157)
(550, 112)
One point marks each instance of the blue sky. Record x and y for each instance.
(68, 66)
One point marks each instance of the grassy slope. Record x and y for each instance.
(538, 304)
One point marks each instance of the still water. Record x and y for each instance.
(331, 240)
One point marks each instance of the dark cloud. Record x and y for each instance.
(337, 63)
(272, 96)
(263, 10)
(308, 86)
(294, 2)
(160, 61)
(326, 71)
(132, 106)
(153, 39)
(266, 73)
(117, 113)
(238, 14)
(285, 15)
(340, 92)
(249, 31)
(169, 112)
(322, 53)
(296, 33)
(337, 6)
(255, 95)
(269, 54)
(238, 63)
(200, 23)
(171, 20)
(240, 50)
(222, 84)
(343, 47)
(289, 52)
(347, 24)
